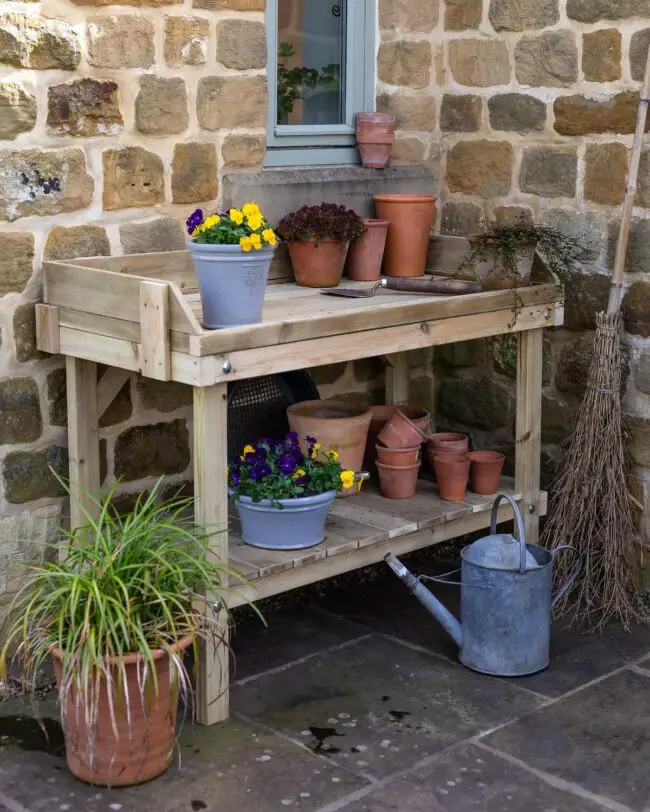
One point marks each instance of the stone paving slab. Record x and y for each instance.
(598, 737)
(377, 706)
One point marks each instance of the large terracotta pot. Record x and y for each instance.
(365, 256)
(410, 219)
(318, 263)
(337, 425)
(145, 745)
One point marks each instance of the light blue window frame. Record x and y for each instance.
(307, 145)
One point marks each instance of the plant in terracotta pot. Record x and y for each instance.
(318, 238)
(232, 255)
(283, 495)
(375, 138)
(117, 614)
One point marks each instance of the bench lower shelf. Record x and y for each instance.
(361, 529)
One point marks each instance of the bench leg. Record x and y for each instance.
(211, 510)
(529, 428)
(83, 439)
(397, 378)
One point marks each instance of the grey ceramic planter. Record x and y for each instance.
(232, 283)
(298, 524)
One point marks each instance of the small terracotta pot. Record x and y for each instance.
(485, 472)
(448, 441)
(375, 137)
(410, 218)
(365, 256)
(318, 263)
(401, 432)
(398, 482)
(451, 474)
(381, 414)
(398, 456)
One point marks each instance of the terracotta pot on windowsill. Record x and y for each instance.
(375, 138)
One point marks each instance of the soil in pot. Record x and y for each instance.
(452, 472)
(410, 219)
(365, 256)
(398, 456)
(145, 745)
(397, 482)
(485, 471)
(318, 263)
(401, 432)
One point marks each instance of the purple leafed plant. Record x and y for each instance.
(325, 222)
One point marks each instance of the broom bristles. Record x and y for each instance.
(590, 506)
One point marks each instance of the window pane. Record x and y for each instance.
(311, 61)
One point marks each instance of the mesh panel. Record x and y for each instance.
(257, 408)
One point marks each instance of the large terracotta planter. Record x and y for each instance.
(410, 219)
(336, 424)
(318, 263)
(366, 255)
(375, 138)
(145, 745)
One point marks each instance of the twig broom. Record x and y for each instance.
(591, 507)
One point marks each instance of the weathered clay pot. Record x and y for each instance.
(398, 456)
(318, 263)
(401, 432)
(375, 137)
(451, 474)
(397, 482)
(493, 276)
(446, 442)
(485, 471)
(337, 425)
(410, 218)
(145, 744)
(381, 414)
(365, 256)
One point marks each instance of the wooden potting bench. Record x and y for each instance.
(143, 314)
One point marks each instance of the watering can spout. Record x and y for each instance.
(430, 603)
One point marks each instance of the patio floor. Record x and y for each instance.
(357, 704)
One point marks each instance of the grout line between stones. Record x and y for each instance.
(12, 806)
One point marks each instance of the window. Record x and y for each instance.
(321, 73)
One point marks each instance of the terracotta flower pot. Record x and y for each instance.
(485, 471)
(401, 432)
(381, 414)
(410, 219)
(398, 482)
(145, 745)
(451, 474)
(375, 137)
(365, 257)
(336, 424)
(318, 263)
(398, 456)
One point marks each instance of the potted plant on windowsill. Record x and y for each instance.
(283, 495)
(232, 256)
(318, 238)
(116, 615)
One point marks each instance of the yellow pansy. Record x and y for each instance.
(332, 455)
(256, 241)
(255, 221)
(236, 216)
(211, 221)
(297, 474)
(347, 478)
(197, 231)
(250, 209)
(315, 450)
(248, 449)
(269, 236)
(245, 244)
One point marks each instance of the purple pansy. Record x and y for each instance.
(235, 478)
(194, 220)
(259, 470)
(287, 464)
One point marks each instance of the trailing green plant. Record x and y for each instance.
(295, 84)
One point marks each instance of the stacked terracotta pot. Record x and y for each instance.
(454, 464)
(375, 138)
(398, 451)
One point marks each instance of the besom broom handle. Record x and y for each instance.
(616, 290)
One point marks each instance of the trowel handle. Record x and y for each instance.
(439, 286)
(574, 573)
(521, 533)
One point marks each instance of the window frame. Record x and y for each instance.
(300, 145)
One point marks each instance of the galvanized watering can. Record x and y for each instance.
(506, 601)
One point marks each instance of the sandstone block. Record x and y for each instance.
(225, 102)
(643, 184)
(549, 171)
(17, 110)
(482, 168)
(141, 3)
(479, 62)
(572, 366)
(601, 55)
(194, 173)
(584, 296)
(39, 43)
(241, 44)
(186, 40)
(405, 62)
(120, 41)
(16, 260)
(636, 309)
(28, 474)
(243, 152)
(520, 15)
(578, 115)
(642, 374)
(494, 409)
(163, 396)
(230, 5)
(639, 45)
(589, 228)
(328, 374)
(461, 114)
(161, 106)
(132, 177)
(639, 436)
(606, 173)
(68, 242)
(24, 329)
(515, 112)
(85, 108)
(558, 417)
(408, 15)
(591, 11)
(119, 410)
(408, 150)
(510, 215)
(20, 411)
(143, 451)
(460, 219)
(163, 234)
(35, 182)
(415, 113)
(463, 14)
(548, 60)
(637, 257)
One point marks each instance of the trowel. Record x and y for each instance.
(440, 287)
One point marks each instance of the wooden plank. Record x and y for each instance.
(529, 428)
(397, 378)
(210, 447)
(155, 350)
(391, 526)
(83, 440)
(109, 386)
(47, 329)
(115, 328)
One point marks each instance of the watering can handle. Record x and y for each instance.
(573, 575)
(521, 533)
